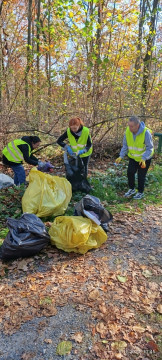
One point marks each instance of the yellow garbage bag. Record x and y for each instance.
(76, 233)
(46, 195)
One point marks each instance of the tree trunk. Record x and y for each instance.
(38, 63)
(148, 56)
(28, 56)
(49, 62)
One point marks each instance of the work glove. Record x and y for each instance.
(40, 164)
(69, 150)
(45, 166)
(118, 160)
(142, 164)
(81, 152)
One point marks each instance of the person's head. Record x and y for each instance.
(75, 124)
(35, 140)
(134, 124)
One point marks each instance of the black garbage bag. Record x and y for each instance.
(75, 173)
(26, 237)
(91, 207)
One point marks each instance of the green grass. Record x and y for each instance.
(111, 186)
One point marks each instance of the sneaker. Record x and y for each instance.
(129, 193)
(138, 196)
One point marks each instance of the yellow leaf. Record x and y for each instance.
(119, 345)
(64, 347)
(71, 14)
(122, 279)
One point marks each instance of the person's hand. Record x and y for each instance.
(142, 164)
(81, 152)
(118, 160)
(69, 150)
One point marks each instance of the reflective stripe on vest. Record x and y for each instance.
(81, 143)
(137, 147)
(13, 153)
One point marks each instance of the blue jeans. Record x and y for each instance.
(19, 174)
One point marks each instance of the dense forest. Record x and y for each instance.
(99, 59)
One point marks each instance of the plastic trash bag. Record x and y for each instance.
(75, 173)
(91, 207)
(5, 181)
(77, 234)
(27, 236)
(46, 195)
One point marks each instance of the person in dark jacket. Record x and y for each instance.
(20, 150)
(80, 142)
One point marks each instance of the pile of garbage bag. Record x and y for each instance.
(76, 234)
(91, 207)
(46, 195)
(26, 237)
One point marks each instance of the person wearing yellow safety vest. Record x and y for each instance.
(79, 139)
(138, 144)
(20, 150)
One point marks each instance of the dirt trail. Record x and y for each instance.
(107, 302)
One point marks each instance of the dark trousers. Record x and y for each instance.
(86, 162)
(134, 167)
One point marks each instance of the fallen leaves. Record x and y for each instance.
(93, 295)
(117, 298)
(119, 345)
(147, 273)
(48, 341)
(159, 308)
(152, 346)
(102, 329)
(64, 347)
(22, 265)
(122, 279)
(78, 337)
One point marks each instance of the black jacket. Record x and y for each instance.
(64, 136)
(32, 160)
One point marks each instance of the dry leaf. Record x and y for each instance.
(147, 273)
(102, 329)
(122, 279)
(48, 341)
(119, 345)
(78, 337)
(139, 328)
(118, 356)
(22, 265)
(27, 356)
(152, 346)
(159, 308)
(103, 309)
(94, 294)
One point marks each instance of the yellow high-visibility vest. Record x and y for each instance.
(137, 147)
(13, 153)
(81, 143)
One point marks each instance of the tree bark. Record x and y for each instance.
(28, 56)
(148, 56)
